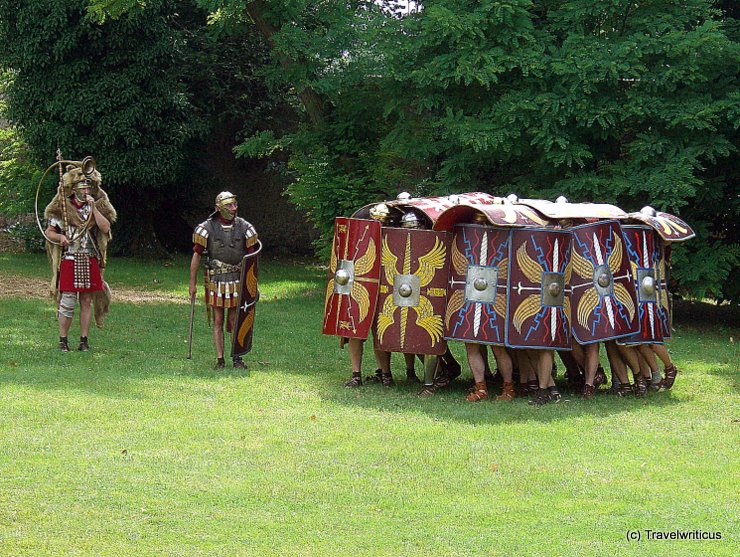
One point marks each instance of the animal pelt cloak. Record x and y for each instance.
(101, 299)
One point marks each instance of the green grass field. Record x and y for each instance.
(131, 449)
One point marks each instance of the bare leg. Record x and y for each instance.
(662, 352)
(616, 363)
(85, 312)
(591, 353)
(478, 368)
(218, 331)
(355, 354)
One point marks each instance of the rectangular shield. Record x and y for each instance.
(603, 292)
(241, 341)
(353, 278)
(643, 248)
(477, 285)
(413, 291)
(538, 309)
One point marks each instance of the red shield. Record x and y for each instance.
(476, 291)
(670, 227)
(539, 299)
(248, 296)
(643, 248)
(412, 291)
(603, 294)
(354, 273)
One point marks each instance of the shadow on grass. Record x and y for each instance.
(143, 343)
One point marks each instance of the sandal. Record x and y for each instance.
(670, 376)
(386, 379)
(641, 387)
(588, 391)
(377, 377)
(541, 397)
(356, 381)
(554, 394)
(507, 392)
(624, 389)
(600, 377)
(427, 391)
(480, 393)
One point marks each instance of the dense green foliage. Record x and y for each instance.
(612, 101)
(141, 93)
(621, 102)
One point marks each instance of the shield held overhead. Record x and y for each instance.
(248, 296)
(412, 291)
(604, 301)
(354, 276)
(476, 292)
(539, 311)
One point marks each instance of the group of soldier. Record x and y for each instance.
(527, 277)
(77, 233)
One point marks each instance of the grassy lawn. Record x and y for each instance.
(131, 449)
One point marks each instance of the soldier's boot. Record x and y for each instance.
(239, 363)
(220, 364)
(84, 346)
(386, 379)
(63, 344)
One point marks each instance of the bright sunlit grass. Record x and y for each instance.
(132, 449)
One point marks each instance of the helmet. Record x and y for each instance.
(380, 212)
(649, 211)
(410, 220)
(403, 196)
(561, 199)
(222, 200)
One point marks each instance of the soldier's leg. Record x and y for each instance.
(652, 374)
(542, 362)
(65, 313)
(383, 359)
(236, 361)
(670, 369)
(622, 385)
(591, 361)
(506, 368)
(355, 358)
(85, 317)
(410, 373)
(478, 368)
(218, 335)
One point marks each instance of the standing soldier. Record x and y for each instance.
(224, 239)
(78, 230)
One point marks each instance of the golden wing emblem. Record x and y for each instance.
(364, 264)
(529, 306)
(388, 261)
(531, 269)
(431, 262)
(251, 280)
(245, 327)
(456, 301)
(624, 298)
(459, 261)
(427, 320)
(503, 268)
(586, 306)
(582, 266)
(385, 317)
(531, 214)
(615, 257)
(333, 260)
(329, 292)
(360, 295)
(676, 226)
(499, 305)
(566, 308)
(568, 272)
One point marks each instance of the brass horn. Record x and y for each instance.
(87, 165)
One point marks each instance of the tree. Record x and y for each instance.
(112, 90)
